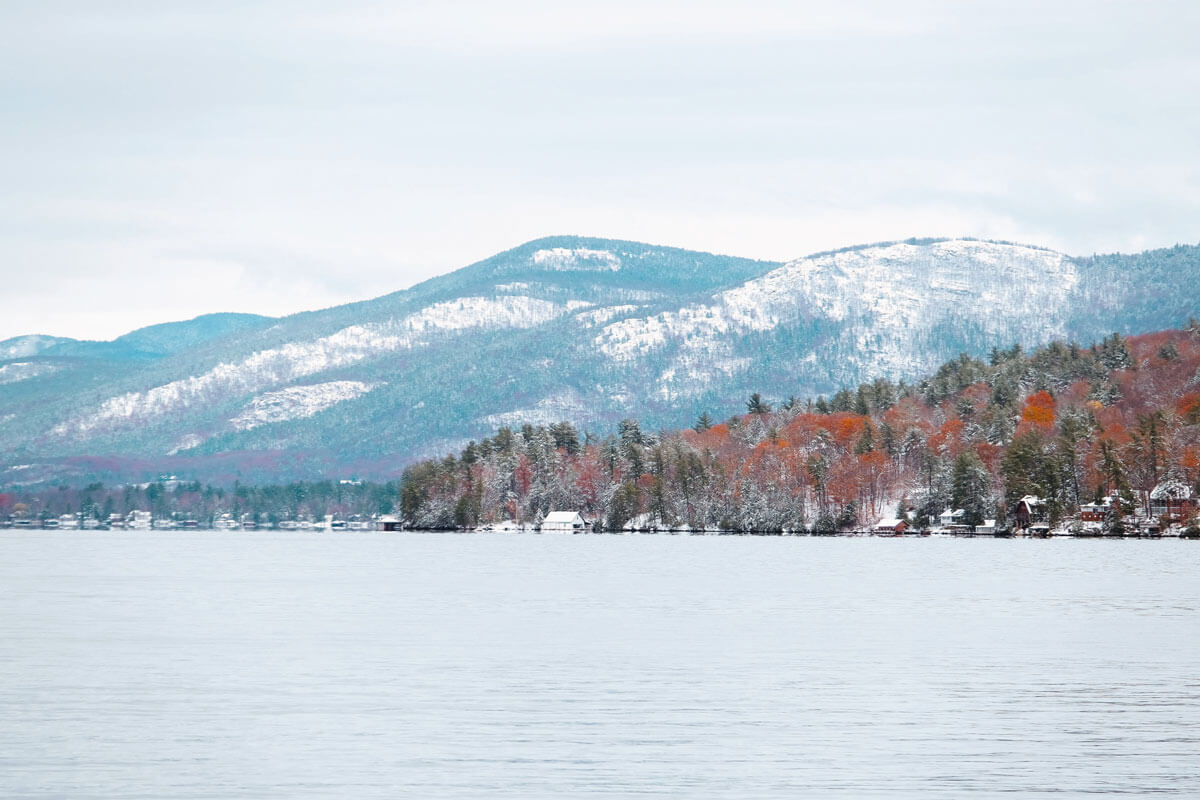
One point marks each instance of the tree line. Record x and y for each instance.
(1065, 423)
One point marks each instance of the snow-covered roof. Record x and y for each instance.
(1171, 489)
(889, 522)
(562, 516)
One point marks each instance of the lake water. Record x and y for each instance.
(279, 665)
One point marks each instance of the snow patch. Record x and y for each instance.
(602, 315)
(581, 258)
(297, 402)
(24, 370)
(186, 443)
(25, 346)
(555, 408)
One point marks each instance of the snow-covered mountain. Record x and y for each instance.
(588, 330)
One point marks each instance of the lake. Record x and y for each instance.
(276, 665)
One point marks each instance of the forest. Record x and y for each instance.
(1068, 424)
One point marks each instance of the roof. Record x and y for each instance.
(890, 522)
(562, 516)
(1171, 490)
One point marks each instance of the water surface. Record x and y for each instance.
(282, 664)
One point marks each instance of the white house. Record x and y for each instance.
(951, 517)
(564, 522)
(138, 521)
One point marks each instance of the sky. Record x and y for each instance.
(160, 160)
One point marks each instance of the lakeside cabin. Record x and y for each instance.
(951, 517)
(564, 522)
(1172, 499)
(1030, 509)
(1095, 512)
(890, 525)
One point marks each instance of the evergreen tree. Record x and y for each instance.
(861, 406)
(565, 437)
(971, 488)
(866, 442)
(756, 405)
(1114, 353)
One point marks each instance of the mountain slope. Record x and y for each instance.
(590, 330)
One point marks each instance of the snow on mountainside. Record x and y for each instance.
(276, 366)
(24, 370)
(25, 346)
(581, 258)
(890, 300)
(893, 299)
(548, 410)
(297, 402)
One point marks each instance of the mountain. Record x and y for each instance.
(583, 329)
(145, 344)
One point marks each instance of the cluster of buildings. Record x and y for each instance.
(145, 521)
(1163, 512)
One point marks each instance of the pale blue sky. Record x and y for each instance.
(161, 160)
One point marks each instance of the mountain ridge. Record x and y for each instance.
(561, 327)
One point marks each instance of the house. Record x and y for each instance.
(951, 517)
(1172, 499)
(389, 522)
(138, 521)
(564, 522)
(1030, 509)
(988, 528)
(890, 525)
(1095, 512)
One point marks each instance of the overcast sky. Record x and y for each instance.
(161, 160)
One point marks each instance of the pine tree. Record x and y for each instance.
(756, 404)
(971, 488)
(866, 442)
(565, 437)
(861, 406)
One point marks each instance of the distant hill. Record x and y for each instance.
(582, 329)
